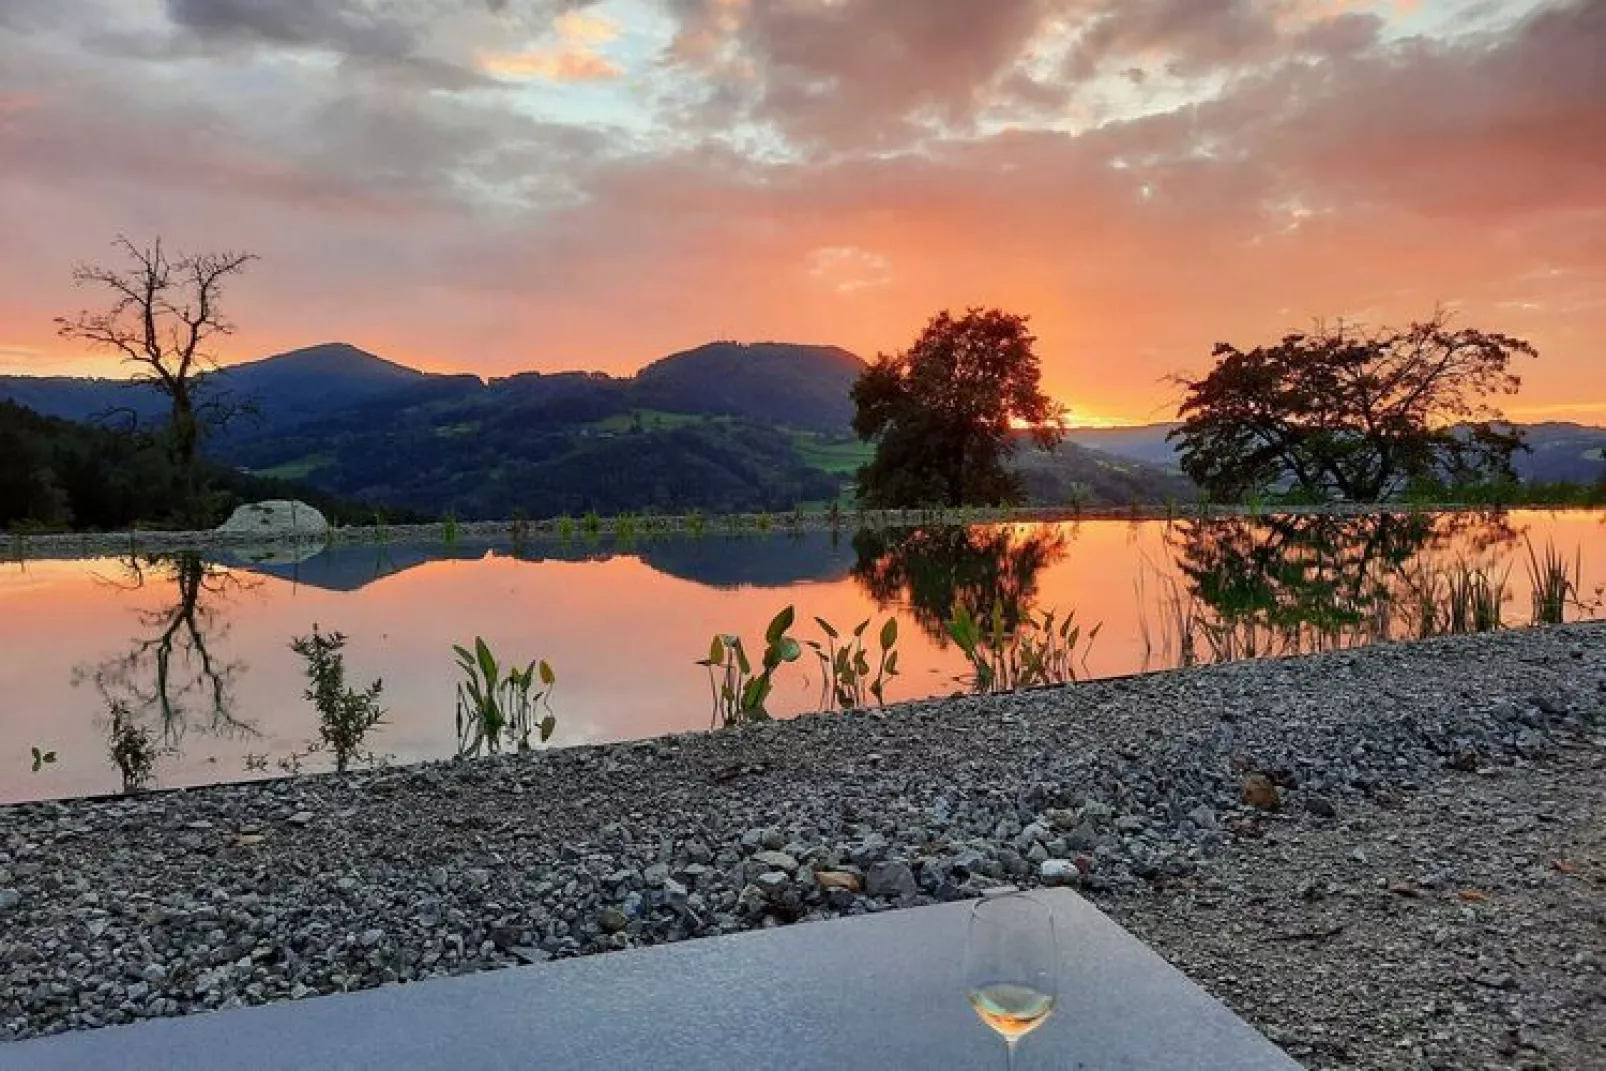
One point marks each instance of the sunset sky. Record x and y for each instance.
(500, 185)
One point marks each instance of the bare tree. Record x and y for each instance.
(164, 315)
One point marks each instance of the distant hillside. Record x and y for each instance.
(769, 382)
(1560, 452)
(804, 387)
(1140, 442)
(1074, 473)
(61, 474)
(284, 389)
(1557, 452)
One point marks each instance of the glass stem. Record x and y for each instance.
(1009, 1054)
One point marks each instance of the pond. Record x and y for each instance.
(198, 648)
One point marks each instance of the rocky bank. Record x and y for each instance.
(1390, 857)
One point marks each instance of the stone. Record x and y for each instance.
(655, 875)
(300, 818)
(1059, 872)
(773, 883)
(9, 899)
(612, 920)
(1321, 807)
(891, 879)
(1203, 816)
(1260, 793)
(275, 519)
(776, 861)
(838, 879)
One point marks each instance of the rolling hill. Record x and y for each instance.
(725, 427)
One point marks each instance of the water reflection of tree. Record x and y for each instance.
(936, 568)
(173, 671)
(1291, 584)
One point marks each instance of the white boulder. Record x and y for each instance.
(275, 519)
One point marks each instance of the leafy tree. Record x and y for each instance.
(944, 413)
(1347, 413)
(165, 310)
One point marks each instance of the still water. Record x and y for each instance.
(199, 648)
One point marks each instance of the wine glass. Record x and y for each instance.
(1011, 965)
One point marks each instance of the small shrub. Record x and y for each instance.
(345, 716)
(132, 750)
(450, 530)
(565, 528)
(592, 523)
(519, 531)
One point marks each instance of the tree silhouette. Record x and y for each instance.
(165, 312)
(1347, 413)
(946, 412)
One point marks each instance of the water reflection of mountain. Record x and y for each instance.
(774, 561)
(713, 561)
(348, 567)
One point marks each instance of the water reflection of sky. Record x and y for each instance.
(623, 626)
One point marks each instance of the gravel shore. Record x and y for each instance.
(1384, 858)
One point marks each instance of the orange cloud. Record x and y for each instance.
(562, 65)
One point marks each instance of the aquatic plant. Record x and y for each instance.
(592, 524)
(345, 715)
(450, 530)
(492, 705)
(565, 527)
(625, 527)
(739, 694)
(1554, 583)
(847, 675)
(695, 522)
(42, 758)
(1038, 651)
(519, 531)
(764, 522)
(131, 748)
(381, 533)
(1474, 599)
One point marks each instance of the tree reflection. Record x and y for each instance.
(934, 569)
(1297, 583)
(172, 672)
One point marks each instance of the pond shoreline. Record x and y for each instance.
(23, 546)
(1425, 792)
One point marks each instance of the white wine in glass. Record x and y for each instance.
(1011, 965)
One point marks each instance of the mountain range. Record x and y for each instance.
(723, 427)
(1558, 451)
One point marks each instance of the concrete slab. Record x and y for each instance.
(879, 992)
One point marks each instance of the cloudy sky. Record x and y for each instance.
(497, 185)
